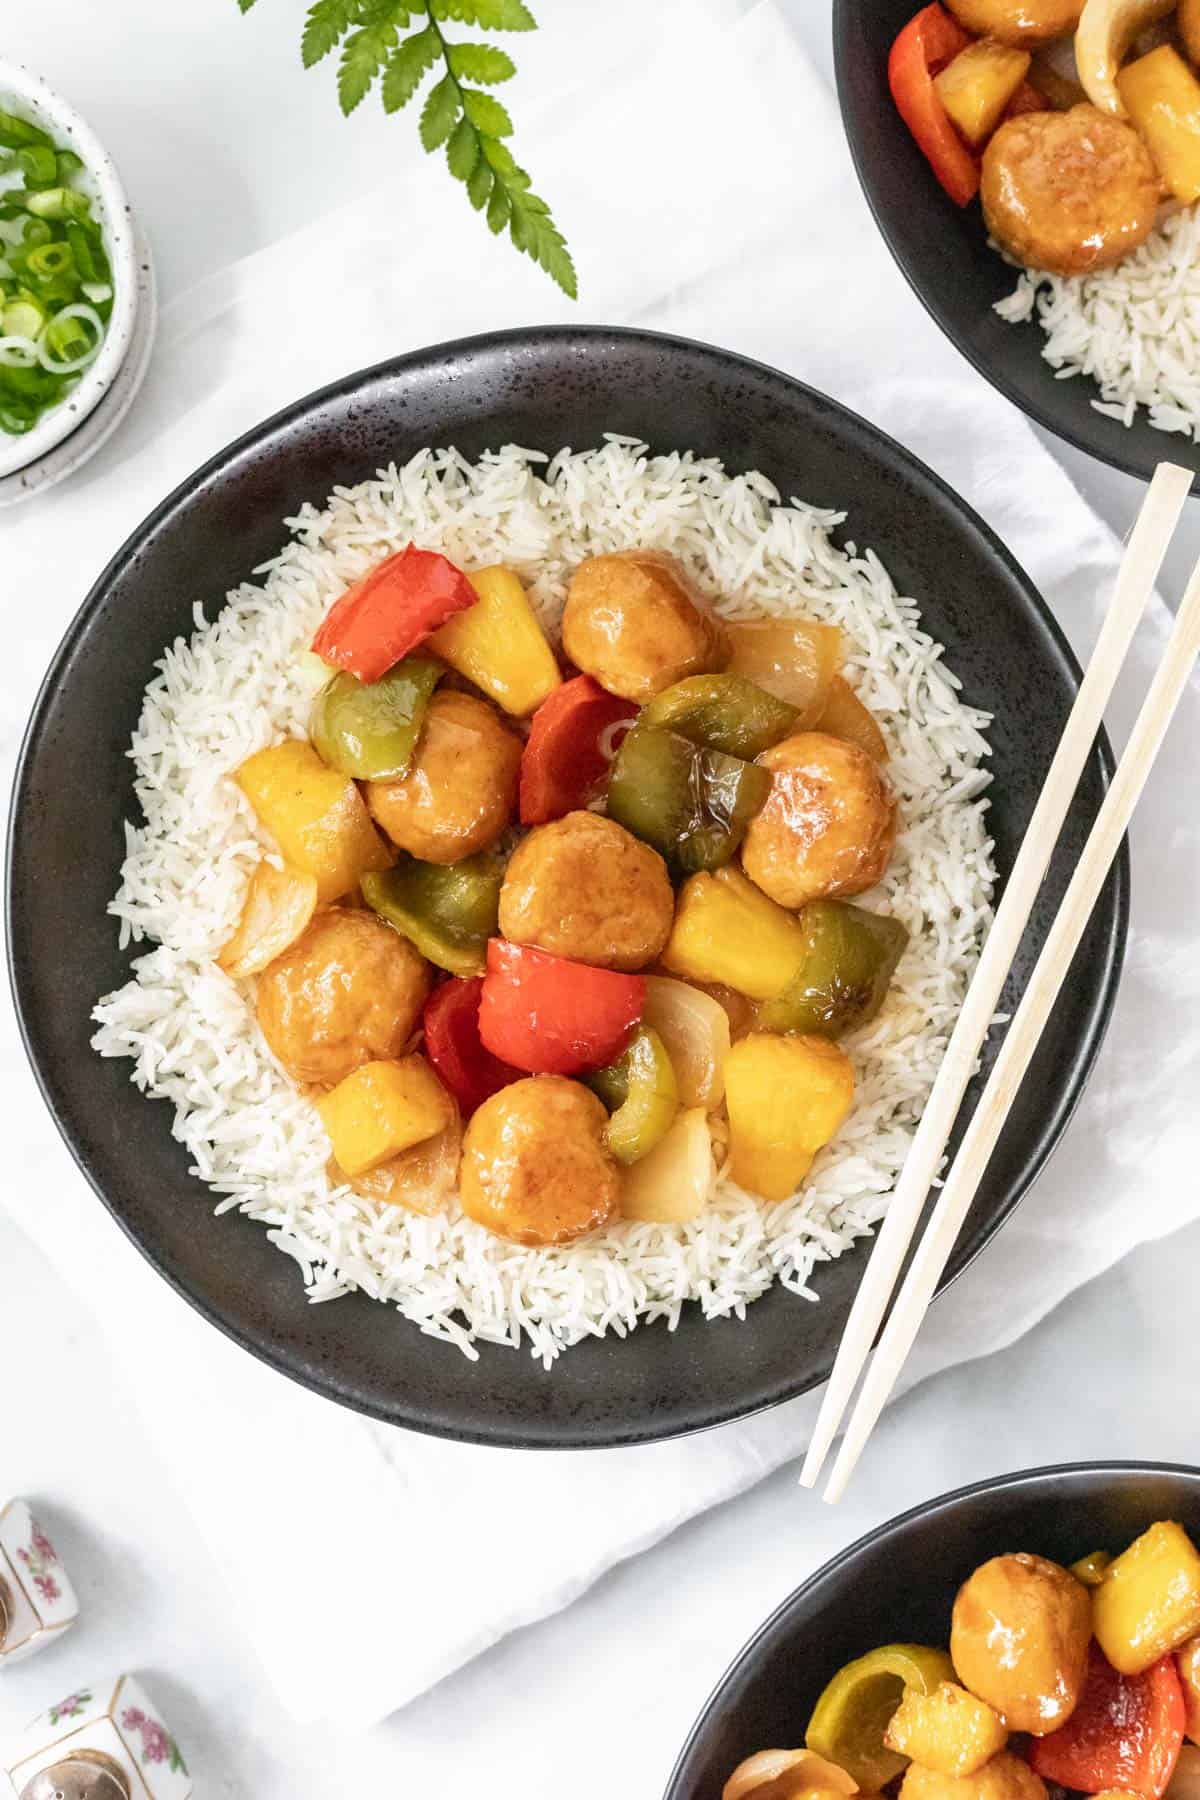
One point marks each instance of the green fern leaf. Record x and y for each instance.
(480, 185)
(480, 62)
(327, 23)
(440, 113)
(408, 66)
(362, 58)
(245, 5)
(498, 208)
(504, 163)
(534, 231)
(489, 15)
(462, 151)
(486, 113)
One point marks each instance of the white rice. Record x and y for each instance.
(237, 686)
(1135, 329)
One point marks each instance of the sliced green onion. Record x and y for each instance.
(37, 231)
(22, 319)
(64, 347)
(16, 133)
(68, 164)
(96, 291)
(17, 351)
(16, 419)
(40, 166)
(49, 260)
(58, 203)
(81, 250)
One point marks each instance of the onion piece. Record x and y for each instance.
(785, 1775)
(672, 1182)
(421, 1179)
(72, 365)
(695, 1029)
(277, 910)
(795, 659)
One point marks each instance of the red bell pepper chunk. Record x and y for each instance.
(391, 610)
(454, 1047)
(1124, 1733)
(569, 748)
(555, 1017)
(1027, 99)
(928, 42)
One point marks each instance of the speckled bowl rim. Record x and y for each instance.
(33, 94)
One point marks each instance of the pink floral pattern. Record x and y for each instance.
(40, 1558)
(71, 1707)
(158, 1746)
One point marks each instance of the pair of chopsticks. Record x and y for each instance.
(1156, 524)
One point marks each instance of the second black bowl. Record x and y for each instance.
(898, 1585)
(942, 250)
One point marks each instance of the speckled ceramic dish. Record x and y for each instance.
(540, 387)
(31, 97)
(899, 1583)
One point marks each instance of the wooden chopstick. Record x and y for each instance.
(1155, 526)
(1021, 1040)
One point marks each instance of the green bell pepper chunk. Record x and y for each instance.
(691, 805)
(849, 959)
(639, 1090)
(369, 730)
(722, 712)
(448, 910)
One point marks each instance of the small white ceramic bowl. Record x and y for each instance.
(27, 94)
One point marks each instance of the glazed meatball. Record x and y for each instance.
(535, 1166)
(350, 991)
(583, 887)
(460, 794)
(1069, 192)
(828, 825)
(1019, 1639)
(634, 622)
(1004, 1777)
(1025, 22)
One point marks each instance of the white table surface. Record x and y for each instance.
(198, 103)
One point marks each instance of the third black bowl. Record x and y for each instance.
(898, 1585)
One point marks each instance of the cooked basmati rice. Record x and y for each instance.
(239, 684)
(1134, 329)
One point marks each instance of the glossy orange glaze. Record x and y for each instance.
(349, 992)
(635, 624)
(1069, 192)
(1019, 1639)
(535, 1167)
(1018, 21)
(460, 794)
(584, 888)
(828, 826)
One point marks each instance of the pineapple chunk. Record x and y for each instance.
(1149, 1601)
(317, 816)
(382, 1109)
(948, 1730)
(1162, 98)
(786, 1096)
(727, 931)
(978, 84)
(499, 644)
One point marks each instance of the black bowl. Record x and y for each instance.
(73, 790)
(898, 1584)
(943, 253)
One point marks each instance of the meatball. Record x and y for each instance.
(828, 825)
(1069, 192)
(535, 1165)
(460, 793)
(583, 887)
(1019, 1639)
(633, 621)
(350, 991)
(1005, 1777)
(1024, 22)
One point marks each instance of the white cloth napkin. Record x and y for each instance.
(707, 190)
